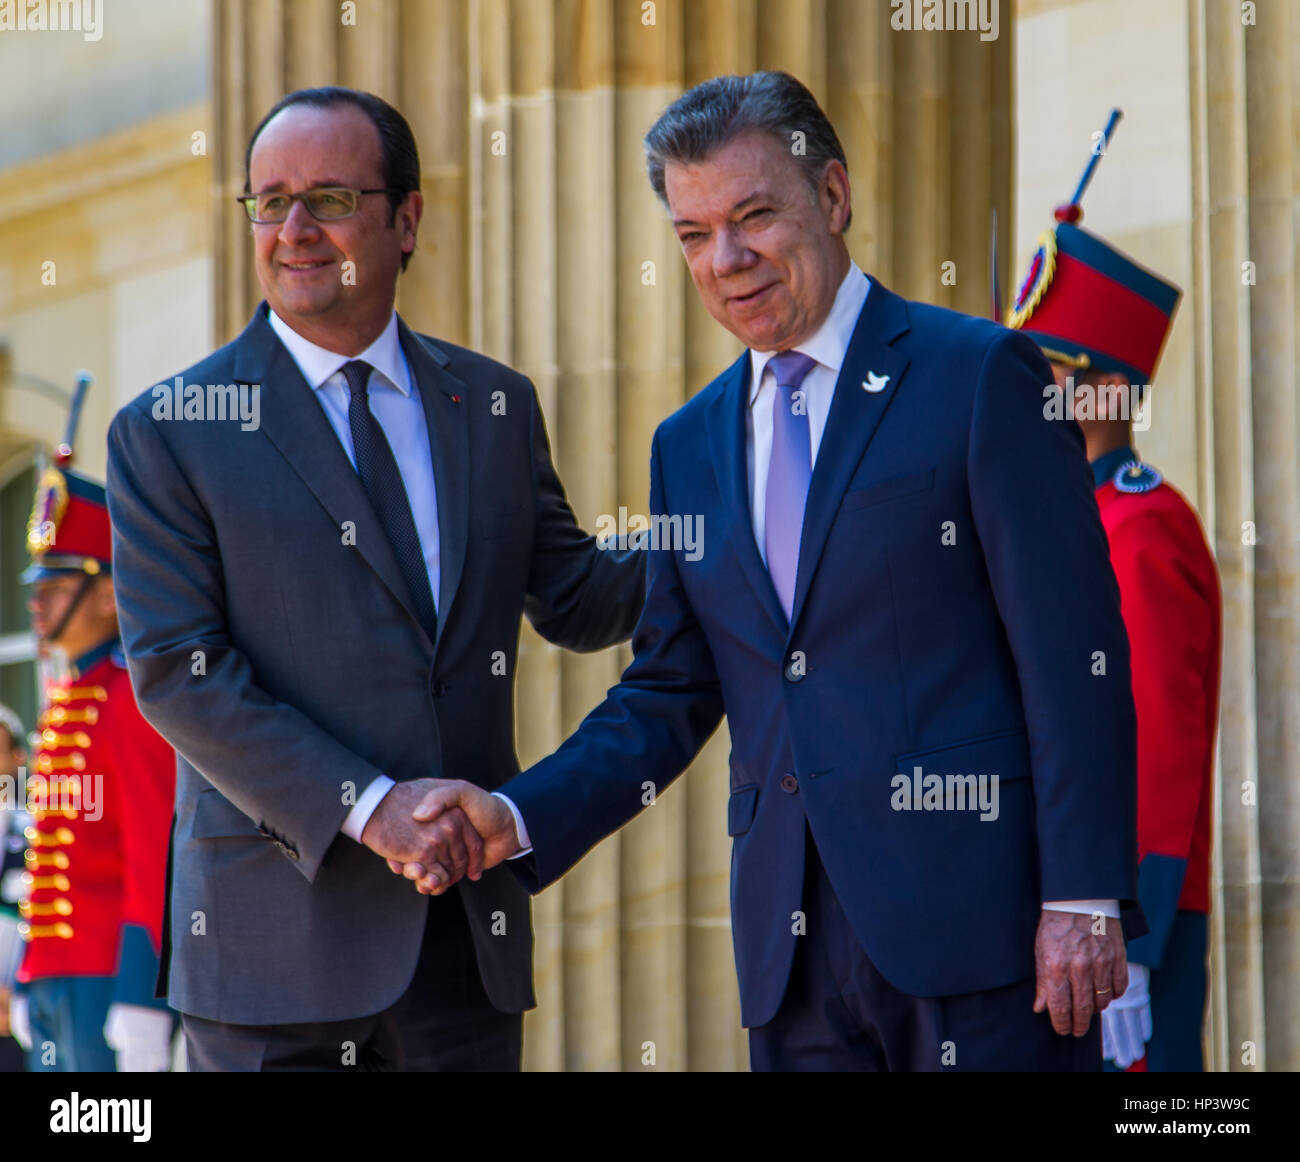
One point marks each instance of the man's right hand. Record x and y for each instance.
(445, 847)
(487, 815)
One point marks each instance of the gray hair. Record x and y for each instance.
(704, 119)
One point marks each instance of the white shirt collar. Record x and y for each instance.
(830, 342)
(317, 364)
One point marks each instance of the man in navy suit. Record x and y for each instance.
(904, 607)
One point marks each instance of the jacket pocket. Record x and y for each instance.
(892, 489)
(740, 809)
(1005, 751)
(216, 817)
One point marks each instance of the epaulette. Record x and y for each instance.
(1134, 476)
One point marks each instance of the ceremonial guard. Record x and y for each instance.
(13, 822)
(1101, 319)
(100, 791)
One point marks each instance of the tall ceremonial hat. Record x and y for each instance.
(1087, 304)
(69, 531)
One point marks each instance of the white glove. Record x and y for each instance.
(1126, 1021)
(140, 1036)
(20, 1026)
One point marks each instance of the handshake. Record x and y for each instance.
(437, 831)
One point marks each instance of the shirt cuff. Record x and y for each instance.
(1108, 908)
(521, 832)
(360, 814)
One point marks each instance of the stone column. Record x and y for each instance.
(1244, 92)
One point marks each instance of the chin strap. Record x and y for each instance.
(57, 632)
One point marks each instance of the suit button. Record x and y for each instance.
(789, 784)
(439, 688)
(795, 669)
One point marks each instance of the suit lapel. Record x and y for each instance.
(725, 420)
(854, 417)
(293, 420)
(443, 398)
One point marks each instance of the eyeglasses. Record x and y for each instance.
(325, 204)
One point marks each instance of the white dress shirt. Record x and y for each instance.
(828, 345)
(395, 403)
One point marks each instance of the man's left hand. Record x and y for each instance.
(1079, 973)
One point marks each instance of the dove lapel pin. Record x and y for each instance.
(874, 382)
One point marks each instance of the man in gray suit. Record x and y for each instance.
(325, 534)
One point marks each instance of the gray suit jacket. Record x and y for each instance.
(281, 658)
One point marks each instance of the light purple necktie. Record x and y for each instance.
(788, 473)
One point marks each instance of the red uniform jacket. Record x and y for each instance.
(1169, 593)
(100, 787)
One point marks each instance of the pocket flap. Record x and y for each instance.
(1004, 753)
(891, 489)
(215, 817)
(740, 809)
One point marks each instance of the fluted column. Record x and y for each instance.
(543, 245)
(1244, 89)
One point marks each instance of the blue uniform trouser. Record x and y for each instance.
(1178, 999)
(67, 1015)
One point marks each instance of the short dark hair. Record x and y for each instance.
(401, 158)
(704, 119)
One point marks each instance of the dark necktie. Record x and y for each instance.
(789, 473)
(383, 484)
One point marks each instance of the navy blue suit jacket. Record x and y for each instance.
(955, 610)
